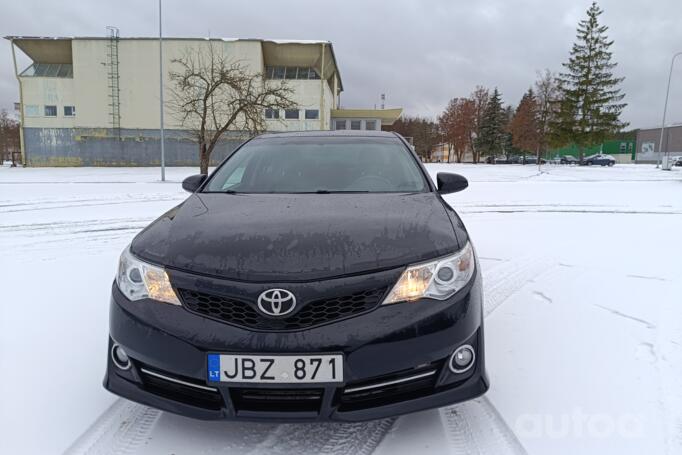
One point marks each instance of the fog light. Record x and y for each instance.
(119, 357)
(462, 359)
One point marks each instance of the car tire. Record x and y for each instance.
(590, 163)
(611, 164)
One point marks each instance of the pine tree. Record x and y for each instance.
(491, 136)
(590, 105)
(546, 92)
(508, 147)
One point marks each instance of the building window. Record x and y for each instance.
(271, 113)
(291, 114)
(355, 124)
(278, 72)
(302, 73)
(371, 125)
(50, 111)
(312, 114)
(312, 74)
(49, 70)
(623, 147)
(340, 125)
(290, 72)
(31, 110)
(69, 111)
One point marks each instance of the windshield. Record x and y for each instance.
(320, 165)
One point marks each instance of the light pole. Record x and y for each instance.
(163, 152)
(665, 108)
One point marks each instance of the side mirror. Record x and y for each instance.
(193, 182)
(450, 183)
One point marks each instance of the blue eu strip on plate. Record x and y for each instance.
(214, 368)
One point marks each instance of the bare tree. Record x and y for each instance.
(547, 95)
(423, 131)
(524, 125)
(9, 138)
(212, 94)
(480, 97)
(446, 124)
(457, 123)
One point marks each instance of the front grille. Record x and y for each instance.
(185, 390)
(380, 391)
(238, 312)
(276, 400)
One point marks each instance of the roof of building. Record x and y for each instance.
(59, 49)
(658, 128)
(387, 116)
(155, 38)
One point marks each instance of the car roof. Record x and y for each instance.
(334, 133)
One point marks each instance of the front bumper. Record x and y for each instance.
(395, 361)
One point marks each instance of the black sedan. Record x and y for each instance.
(598, 159)
(311, 276)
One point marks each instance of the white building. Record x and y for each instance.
(95, 100)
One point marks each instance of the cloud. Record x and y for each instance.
(420, 53)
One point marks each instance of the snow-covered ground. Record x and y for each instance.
(582, 271)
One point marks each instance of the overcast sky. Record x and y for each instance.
(420, 53)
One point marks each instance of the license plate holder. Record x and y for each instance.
(288, 369)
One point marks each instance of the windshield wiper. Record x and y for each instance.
(337, 192)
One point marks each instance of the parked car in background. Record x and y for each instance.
(504, 159)
(568, 159)
(676, 161)
(599, 159)
(531, 159)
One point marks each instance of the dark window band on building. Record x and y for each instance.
(291, 114)
(290, 72)
(64, 70)
(271, 113)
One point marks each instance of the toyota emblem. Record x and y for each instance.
(276, 302)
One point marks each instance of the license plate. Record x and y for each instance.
(275, 369)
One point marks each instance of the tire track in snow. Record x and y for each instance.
(78, 203)
(476, 427)
(122, 429)
(347, 441)
(71, 227)
(509, 277)
(360, 438)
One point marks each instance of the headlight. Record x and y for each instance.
(438, 279)
(140, 280)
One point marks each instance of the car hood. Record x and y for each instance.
(288, 237)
